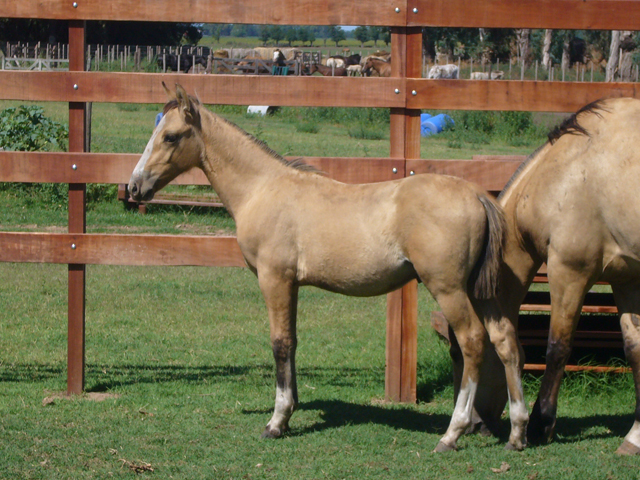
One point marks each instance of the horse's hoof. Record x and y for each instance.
(513, 447)
(538, 434)
(271, 433)
(443, 447)
(628, 448)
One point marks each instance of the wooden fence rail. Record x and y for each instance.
(405, 93)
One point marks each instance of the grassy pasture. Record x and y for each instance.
(180, 376)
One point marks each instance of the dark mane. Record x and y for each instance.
(571, 126)
(296, 163)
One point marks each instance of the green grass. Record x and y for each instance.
(184, 358)
(183, 354)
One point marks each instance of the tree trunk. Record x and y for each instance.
(565, 53)
(546, 49)
(522, 37)
(614, 56)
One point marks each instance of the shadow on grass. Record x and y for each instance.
(337, 413)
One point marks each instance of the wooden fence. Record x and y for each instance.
(405, 93)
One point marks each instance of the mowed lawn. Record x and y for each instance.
(180, 377)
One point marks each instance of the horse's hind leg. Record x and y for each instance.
(281, 297)
(628, 301)
(471, 336)
(568, 289)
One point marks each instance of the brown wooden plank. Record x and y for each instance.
(554, 14)
(110, 249)
(512, 94)
(491, 175)
(282, 12)
(116, 168)
(270, 90)
(560, 14)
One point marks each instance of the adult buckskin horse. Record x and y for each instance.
(297, 227)
(573, 204)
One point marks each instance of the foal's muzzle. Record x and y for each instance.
(139, 191)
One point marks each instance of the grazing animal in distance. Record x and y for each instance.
(354, 239)
(373, 64)
(182, 63)
(495, 75)
(327, 71)
(449, 71)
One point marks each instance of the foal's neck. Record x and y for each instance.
(235, 163)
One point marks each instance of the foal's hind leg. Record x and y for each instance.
(471, 336)
(281, 297)
(504, 339)
(628, 301)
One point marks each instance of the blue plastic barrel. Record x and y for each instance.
(158, 118)
(423, 118)
(436, 124)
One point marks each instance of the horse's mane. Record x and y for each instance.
(296, 163)
(569, 126)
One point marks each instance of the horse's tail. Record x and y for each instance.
(486, 273)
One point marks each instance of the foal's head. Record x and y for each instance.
(175, 146)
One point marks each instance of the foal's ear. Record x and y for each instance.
(186, 105)
(170, 94)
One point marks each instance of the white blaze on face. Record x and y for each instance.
(275, 56)
(137, 172)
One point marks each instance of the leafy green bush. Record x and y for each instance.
(26, 128)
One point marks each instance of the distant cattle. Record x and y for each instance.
(497, 75)
(180, 63)
(444, 71)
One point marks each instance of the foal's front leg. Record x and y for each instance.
(281, 297)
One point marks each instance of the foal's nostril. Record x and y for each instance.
(134, 189)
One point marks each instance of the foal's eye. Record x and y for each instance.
(171, 137)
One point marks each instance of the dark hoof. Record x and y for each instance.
(539, 431)
(628, 448)
(443, 447)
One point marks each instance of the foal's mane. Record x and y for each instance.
(296, 163)
(569, 126)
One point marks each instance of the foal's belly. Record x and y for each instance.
(355, 279)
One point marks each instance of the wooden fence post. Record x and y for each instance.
(402, 305)
(77, 221)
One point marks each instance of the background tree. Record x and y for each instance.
(336, 34)
(264, 35)
(386, 36)
(361, 34)
(277, 33)
(123, 33)
(306, 34)
(291, 34)
(374, 34)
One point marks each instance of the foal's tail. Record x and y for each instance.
(486, 274)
